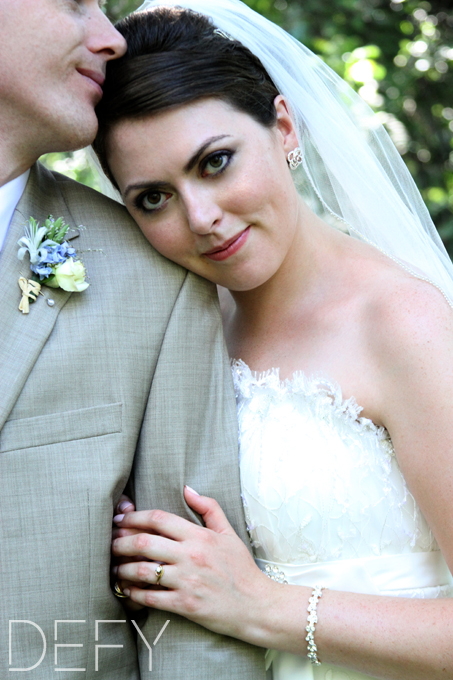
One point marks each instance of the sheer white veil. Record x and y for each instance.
(352, 174)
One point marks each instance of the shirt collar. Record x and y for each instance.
(10, 195)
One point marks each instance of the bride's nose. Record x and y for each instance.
(203, 213)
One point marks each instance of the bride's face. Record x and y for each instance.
(210, 188)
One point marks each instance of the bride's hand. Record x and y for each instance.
(208, 574)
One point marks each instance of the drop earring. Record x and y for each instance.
(295, 158)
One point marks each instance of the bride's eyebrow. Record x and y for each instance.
(197, 155)
(159, 186)
(151, 186)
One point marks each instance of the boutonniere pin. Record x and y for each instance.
(52, 260)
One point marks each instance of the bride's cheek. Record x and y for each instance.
(168, 236)
(155, 236)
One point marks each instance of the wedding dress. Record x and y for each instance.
(325, 501)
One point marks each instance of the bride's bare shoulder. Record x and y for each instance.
(406, 333)
(403, 314)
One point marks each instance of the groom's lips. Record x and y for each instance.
(97, 78)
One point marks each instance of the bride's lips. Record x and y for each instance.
(229, 247)
(97, 79)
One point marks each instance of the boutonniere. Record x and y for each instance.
(52, 260)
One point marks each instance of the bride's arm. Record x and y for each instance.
(415, 348)
(397, 638)
(213, 580)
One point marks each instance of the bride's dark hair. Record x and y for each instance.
(174, 57)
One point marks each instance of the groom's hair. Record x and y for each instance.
(176, 56)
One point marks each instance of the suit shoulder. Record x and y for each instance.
(74, 193)
(110, 228)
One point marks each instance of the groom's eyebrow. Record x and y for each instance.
(197, 155)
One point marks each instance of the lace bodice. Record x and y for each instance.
(319, 482)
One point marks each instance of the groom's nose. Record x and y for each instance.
(102, 37)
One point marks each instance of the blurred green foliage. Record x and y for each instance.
(397, 54)
(117, 9)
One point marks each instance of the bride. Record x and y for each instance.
(246, 160)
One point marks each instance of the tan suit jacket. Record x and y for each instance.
(136, 363)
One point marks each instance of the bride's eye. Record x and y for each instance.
(152, 201)
(216, 163)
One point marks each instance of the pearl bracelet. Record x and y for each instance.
(312, 620)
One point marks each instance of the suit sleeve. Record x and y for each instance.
(189, 436)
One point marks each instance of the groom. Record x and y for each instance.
(132, 367)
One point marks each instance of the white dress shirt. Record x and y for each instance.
(10, 195)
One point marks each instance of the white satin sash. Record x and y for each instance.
(386, 575)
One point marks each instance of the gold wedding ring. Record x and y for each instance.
(159, 571)
(117, 590)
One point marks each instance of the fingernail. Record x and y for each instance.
(125, 505)
(115, 571)
(192, 490)
(127, 592)
(118, 518)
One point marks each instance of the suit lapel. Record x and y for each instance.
(22, 336)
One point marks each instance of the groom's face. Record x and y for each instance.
(53, 55)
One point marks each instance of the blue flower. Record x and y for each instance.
(56, 254)
(49, 257)
(63, 251)
(42, 270)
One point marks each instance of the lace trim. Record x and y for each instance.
(315, 388)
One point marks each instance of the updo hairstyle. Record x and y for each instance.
(174, 57)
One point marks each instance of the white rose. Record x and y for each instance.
(70, 275)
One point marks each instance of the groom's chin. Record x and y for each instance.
(74, 134)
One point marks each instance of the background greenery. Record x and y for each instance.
(398, 55)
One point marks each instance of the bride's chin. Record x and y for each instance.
(246, 277)
(245, 284)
